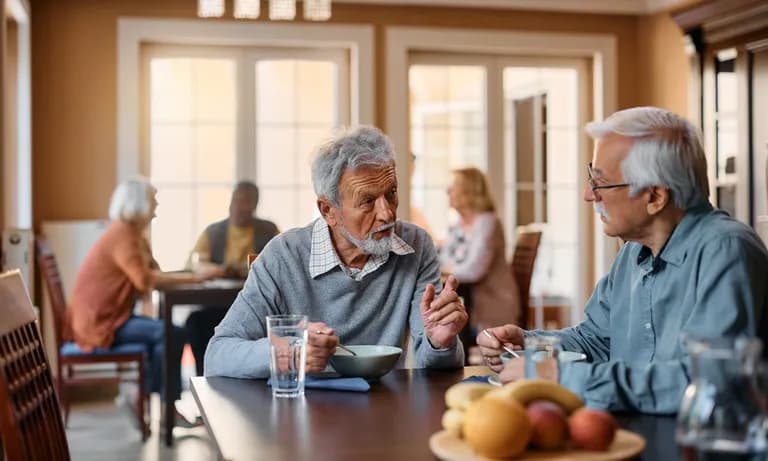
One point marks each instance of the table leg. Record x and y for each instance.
(169, 415)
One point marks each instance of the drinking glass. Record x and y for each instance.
(287, 354)
(541, 357)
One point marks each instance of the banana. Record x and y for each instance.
(453, 420)
(528, 390)
(460, 395)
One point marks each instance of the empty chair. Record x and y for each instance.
(31, 428)
(523, 259)
(129, 359)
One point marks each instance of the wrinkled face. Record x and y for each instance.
(623, 216)
(368, 207)
(242, 206)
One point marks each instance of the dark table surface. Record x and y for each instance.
(217, 294)
(393, 421)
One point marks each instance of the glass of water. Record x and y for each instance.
(287, 354)
(542, 357)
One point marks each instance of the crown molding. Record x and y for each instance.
(632, 7)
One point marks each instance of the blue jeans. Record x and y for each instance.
(149, 332)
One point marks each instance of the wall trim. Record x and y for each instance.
(132, 32)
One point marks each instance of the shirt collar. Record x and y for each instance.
(323, 256)
(677, 244)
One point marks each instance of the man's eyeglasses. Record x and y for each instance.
(596, 187)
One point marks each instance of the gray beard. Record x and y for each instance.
(369, 245)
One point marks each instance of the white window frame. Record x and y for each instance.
(600, 49)
(358, 40)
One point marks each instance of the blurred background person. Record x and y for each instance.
(117, 271)
(225, 246)
(475, 252)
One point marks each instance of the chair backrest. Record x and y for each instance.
(49, 271)
(526, 248)
(30, 417)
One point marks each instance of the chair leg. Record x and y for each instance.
(141, 404)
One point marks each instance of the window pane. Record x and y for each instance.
(215, 153)
(214, 90)
(276, 162)
(448, 126)
(171, 153)
(171, 89)
(316, 103)
(276, 91)
(192, 142)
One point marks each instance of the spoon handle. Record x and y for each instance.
(504, 346)
(341, 346)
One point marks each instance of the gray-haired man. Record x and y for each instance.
(359, 275)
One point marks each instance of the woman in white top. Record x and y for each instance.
(474, 251)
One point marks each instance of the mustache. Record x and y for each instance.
(381, 228)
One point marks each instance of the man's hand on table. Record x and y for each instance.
(444, 316)
(321, 344)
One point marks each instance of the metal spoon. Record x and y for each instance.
(341, 346)
(504, 346)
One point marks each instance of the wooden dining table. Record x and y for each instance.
(393, 421)
(213, 294)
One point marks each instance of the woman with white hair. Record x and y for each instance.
(117, 271)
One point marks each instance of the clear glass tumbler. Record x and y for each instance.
(287, 354)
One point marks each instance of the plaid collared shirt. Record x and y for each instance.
(323, 256)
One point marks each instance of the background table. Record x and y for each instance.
(392, 421)
(213, 294)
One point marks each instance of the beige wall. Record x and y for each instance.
(74, 79)
(662, 64)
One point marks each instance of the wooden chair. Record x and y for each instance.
(31, 427)
(130, 359)
(526, 248)
(251, 258)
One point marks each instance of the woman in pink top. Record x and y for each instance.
(118, 270)
(474, 251)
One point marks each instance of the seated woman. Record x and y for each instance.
(117, 271)
(474, 251)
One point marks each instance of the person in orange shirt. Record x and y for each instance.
(118, 270)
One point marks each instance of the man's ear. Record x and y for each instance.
(658, 199)
(327, 211)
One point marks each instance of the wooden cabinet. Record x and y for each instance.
(729, 88)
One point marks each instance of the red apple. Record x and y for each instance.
(550, 426)
(592, 429)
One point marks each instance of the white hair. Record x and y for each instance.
(666, 152)
(362, 147)
(131, 200)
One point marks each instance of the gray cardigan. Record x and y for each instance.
(379, 309)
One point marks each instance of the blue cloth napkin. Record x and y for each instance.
(476, 379)
(335, 384)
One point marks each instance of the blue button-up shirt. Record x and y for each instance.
(708, 280)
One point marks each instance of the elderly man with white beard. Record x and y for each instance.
(686, 268)
(359, 275)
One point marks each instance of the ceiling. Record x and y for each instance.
(579, 6)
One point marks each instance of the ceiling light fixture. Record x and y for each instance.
(210, 8)
(247, 9)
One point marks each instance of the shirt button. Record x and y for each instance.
(647, 326)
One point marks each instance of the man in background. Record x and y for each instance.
(226, 244)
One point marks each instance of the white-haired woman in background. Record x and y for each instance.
(117, 271)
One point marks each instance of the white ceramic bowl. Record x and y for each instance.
(371, 362)
(563, 356)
